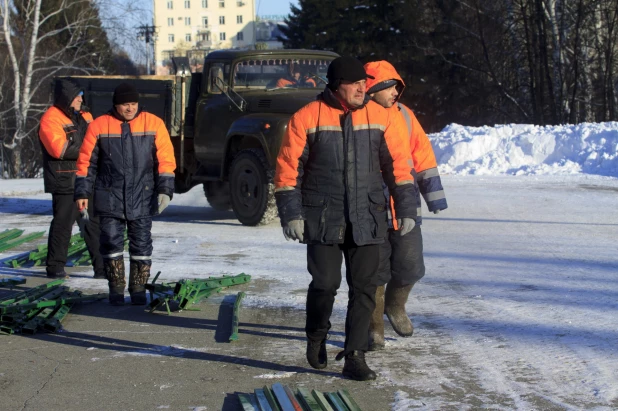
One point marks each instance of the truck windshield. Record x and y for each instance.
(280, 73)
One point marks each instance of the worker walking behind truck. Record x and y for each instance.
(61, 134)
(127, 160)
(401, 257)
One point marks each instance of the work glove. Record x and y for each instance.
(405, 225)
(436, 211)
(83, 221)
(163, 201)
(294, 230)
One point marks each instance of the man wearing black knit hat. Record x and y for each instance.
(335, 154)
(127, 161)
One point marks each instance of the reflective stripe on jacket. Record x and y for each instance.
(126, 164)
(61, 140)
(330, 170)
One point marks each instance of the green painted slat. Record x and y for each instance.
(12, 281)
(271, 399)
(337, 403)
(21, 240)
(348, 400)
(321, 400)
(308, 401)
(236, 316)
(248, 402)
(8, 235)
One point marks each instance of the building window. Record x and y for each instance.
(204, 22)
(187, 37)
(221, 3)
(204, 4)
(170, 21)
(221, 19)
(187, 4)
(170, 38)
(222, 36)
(240, 36)
(170, 5)
(240, 3)
(239, 19)
(187, 21)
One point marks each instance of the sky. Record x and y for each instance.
(517, 307)
(273, 7)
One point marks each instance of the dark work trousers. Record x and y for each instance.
(65, 214)
(401, 258)
(138, 232)
(324, 265)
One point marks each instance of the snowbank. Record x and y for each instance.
(523, 149)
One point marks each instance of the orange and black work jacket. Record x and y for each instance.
(330, 170)
(61, 138)
(125, 164)
(425, 166)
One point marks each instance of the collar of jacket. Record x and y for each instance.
(112, 112)
(332, 100)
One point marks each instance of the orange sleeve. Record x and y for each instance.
(165, 151)
(87, 116)
(52, 134)
(399, 149)
(85, 152)
(423, 156)
(283, 82)
(292, 147)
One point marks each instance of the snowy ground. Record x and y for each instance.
(518, 306)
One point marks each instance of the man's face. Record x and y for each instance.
(387, 97)
(127, 111)
(76, 104)
(296, 75)
(352, 93)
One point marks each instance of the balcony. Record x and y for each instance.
(204, 44)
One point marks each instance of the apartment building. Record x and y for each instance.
(192, 28)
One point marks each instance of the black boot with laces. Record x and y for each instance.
(356, 368)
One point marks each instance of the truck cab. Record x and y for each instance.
(245, 101)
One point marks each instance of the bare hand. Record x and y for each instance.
(82, 203)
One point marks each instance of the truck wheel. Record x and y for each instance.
(218, 195)
(251, 188)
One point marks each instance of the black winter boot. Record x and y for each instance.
(356, 368)
(114, 270)
(316, 354)
(376, 322)
(138, 276)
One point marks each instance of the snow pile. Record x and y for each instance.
(523, 149)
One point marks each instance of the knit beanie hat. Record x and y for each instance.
(345, 68)
(125, 93)
(383, 85)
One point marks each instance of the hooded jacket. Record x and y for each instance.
(61, 133)
(423, 157)
(330, 170)
(126, 164)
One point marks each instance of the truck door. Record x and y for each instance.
(214, 114)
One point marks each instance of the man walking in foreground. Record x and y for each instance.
(401, 257)
(127, 160)
(335, 155)
(61, 133)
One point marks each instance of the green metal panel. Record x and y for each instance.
(248, 402)
(308, 401)
(348, 400)
(336, 402)
(11, 282)
(282, 397)
(271, 399)
(321, 399)
(235, 316)
(262, 400)
(7, 235)
(19, 241)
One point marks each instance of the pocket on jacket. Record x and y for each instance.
(314, 211)
(377, 209)
(103, 201)
(149, 199)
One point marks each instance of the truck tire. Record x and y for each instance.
(218, 195)
(252, 191)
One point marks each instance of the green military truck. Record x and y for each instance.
(228, 121)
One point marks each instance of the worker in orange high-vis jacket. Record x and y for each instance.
(401, 257)
(335, 155)
(127, 161)
(61, 133)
